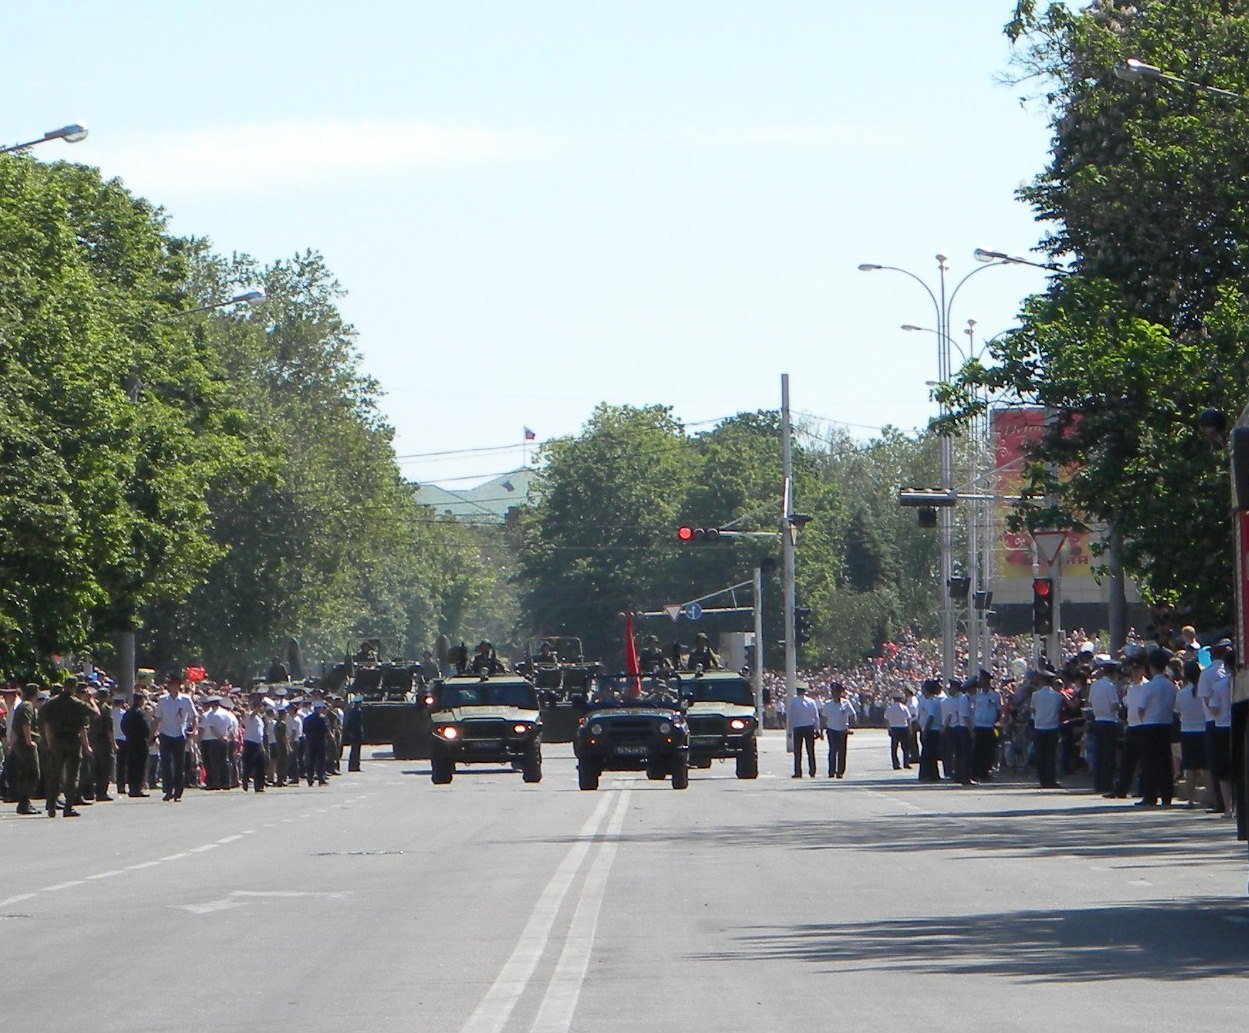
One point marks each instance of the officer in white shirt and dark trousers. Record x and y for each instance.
(255, 757)
(174, 718)
(838, 715)
(898, 718)
(929, 715)
(1046, 704)
(1104, 702)
(986, 712)
(803, 719)
(1155, 710)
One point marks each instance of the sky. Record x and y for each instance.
(536, 207)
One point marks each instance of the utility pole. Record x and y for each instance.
(756, 671)
(787, 542)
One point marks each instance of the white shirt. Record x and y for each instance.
(930, 712)
(897, 715)
(214, 725)
(1221, 701)
(1191, 710)
(1134, 700)
(1158, 701)
(174, 716)
(1205, 685)
(1104, 699)
(803, 713)
(294, 727)
(254, 728)
(837, 715)
(118, 714)
(987, 708)
(1047, 704)
(951, 712)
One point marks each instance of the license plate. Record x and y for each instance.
(631, 751)
(483, 744)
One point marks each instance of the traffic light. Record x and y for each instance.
(1042, 605)
(959, 587)
(802, 625)
(697, 535)
(927, 517)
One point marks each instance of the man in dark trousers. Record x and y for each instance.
(804, 725)
(353, 732)
(25, 757)
(138, 730)
(64, 719)
(316, 735)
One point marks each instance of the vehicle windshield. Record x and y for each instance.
(718, 690)
(485, 693)
(616, 691)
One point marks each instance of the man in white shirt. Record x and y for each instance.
(1218, 743)
(929, 716)
(839, 712)
(1104, 702)
(986, 711)
(213, 733)
(951, 733)
(1219, 705)
(898, 718)
(1046, 704)
(803, 720)
(1134, 676)
(174, 718)
(1156, 709)
(255, 757)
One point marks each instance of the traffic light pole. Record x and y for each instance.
(756, 672)
(787, 543)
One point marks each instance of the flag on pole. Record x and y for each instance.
(631, 661)
(530, 435)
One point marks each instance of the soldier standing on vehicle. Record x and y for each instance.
(23, 727)
(485, 660)
(651, 657)
(701, 655)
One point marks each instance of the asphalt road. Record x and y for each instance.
(383, 902)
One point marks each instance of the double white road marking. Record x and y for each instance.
(555, 1013)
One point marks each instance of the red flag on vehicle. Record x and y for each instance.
(631, 660)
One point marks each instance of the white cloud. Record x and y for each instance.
(258, 157)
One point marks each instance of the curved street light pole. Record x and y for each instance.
(72, 133)
(942, 305)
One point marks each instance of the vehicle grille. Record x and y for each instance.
(710, 724)
(626, 730)
(482, 728)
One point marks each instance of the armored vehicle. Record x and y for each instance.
(720, 712)
(564, 677)
(485, 719)
(626, 729)
(394, 706)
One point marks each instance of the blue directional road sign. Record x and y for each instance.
(693, 611)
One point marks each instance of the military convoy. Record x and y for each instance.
(485, 719)
(720, 712)
(633, 727)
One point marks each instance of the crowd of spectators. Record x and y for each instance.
(78, 741)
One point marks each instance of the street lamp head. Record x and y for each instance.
(72, 133)
(867, 267)
(252, 297)
(912, 328)
(1134, 68)
(983, 255)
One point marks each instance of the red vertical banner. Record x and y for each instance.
(631, 659)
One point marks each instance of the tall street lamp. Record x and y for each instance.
(71, 133)
(1134, 68)
(942, 305)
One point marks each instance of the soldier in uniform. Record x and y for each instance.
(485, 661)
(25, 756)
(316, 738)
(281, 751)
(103, 749)
(651, 657)
(64, 720)
(334, 749)
(353, 732)
(701, 655)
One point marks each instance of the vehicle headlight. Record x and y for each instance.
(449, 732)
(739, 725)
(520, 729)
(596, 729)
(664, 727)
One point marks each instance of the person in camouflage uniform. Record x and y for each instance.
(25, 750)
(101, 763)
(64, 720)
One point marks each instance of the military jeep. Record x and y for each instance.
(625, 729)
(394, 707)
(485, 719)
(720, 712)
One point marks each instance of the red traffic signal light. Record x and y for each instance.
(1042, 605)
(1042, 586)
(688, 535)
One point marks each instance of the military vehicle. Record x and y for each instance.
(485, 719)
(395, 706)
(563, 677)
(630, 729)
(720, 712)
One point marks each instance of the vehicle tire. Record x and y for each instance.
(656, 774)
(680, 772)
(406, 749)
(442, 769)
(587, 775)
(748, 759)
(531, 767)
